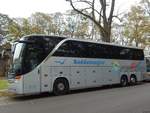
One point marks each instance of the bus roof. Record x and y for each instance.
(106, 43)
(42, 35)
(82, 40)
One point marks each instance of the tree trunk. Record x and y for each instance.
(137, 44)
(104, 22)
(106, 35)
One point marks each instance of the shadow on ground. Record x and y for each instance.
(50, 95)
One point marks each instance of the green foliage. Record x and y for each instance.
(4, 22)
(15, 29)
(26, 27)
(77, 25)
(137, 25)
(3, 84)
(71, 25)
(41, 23)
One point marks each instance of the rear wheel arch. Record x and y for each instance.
(133, 79)
(61, 82)
(124, 80)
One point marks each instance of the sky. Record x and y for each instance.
(24, 8)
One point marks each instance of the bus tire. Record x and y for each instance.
(124, 81)
(133, 80)
(61, 86)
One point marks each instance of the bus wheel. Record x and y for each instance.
(133, 80)
(61, 87)
(124, 81)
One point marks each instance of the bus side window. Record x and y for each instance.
(125, 53)
(137, 54)
(63, 50)
(77, 48)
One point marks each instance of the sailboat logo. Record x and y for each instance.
(62, 61)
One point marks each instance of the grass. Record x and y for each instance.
(3, 84)
(3, 88)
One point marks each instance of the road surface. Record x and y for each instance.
(132, 99)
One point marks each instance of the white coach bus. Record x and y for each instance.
(58, 64)
(147, 74)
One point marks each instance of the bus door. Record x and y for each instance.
(31, 60)
(31, 83)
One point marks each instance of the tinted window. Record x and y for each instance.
(124, 53)
(51, 42)
(101, 51)
(35, 52)
(48, 42)
(80, 49)
(137, 54)
(93, 50)
(63, 50)
(72, 49)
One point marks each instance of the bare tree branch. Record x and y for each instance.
(111, 11)
(86, 15)
(115, 16)
(83, 1)
(93, 14)
(103, 22)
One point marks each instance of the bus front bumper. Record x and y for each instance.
(15, 86)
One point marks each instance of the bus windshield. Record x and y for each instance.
(17, 52)
(33, 55)
(17, 58)
(30, 52)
